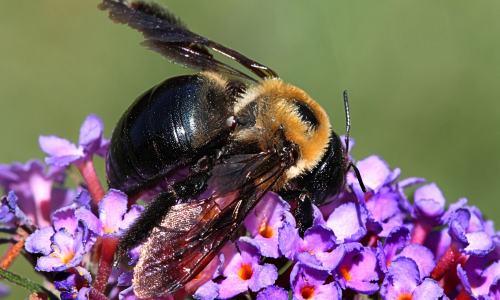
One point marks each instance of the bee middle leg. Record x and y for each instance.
(188, 188)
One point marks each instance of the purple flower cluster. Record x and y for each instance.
(360, 243)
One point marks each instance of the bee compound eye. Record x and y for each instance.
(294, 154)
(306, 114)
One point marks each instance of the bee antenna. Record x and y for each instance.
(346, 141)
(347, 122)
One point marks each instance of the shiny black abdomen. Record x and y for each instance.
(170, 125)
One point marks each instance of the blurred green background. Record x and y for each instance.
(423, 77)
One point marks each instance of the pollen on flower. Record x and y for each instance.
(65, 258)
(307, 250)
(109, 229)
(307, 292)
(345, 273)
(266, 231)
(245, 272)
(405, 296)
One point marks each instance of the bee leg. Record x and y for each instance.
(303, 213)
(188, 188)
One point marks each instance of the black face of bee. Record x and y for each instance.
(323, 181)
(219, 130)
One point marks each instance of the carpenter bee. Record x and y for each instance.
(236, 136)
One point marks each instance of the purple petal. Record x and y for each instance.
(330, 260)
(393, 222)
(48, 263)
(395, 242)
(288, 240)
(134, 254)
(393, 176)
(267, 213)
(207, 291)
(403, 278)
(39, 241)
(479, 243)
(91, 133)
(83, 198)
(422, 256)
(319, 238)
(6, 175)
(111, 210)
(374, 172)
(359, 270)
(63, 248)
(329, 291)
(490, 275)
(411, 181)
(458, 223)
(348, 222)
(264, 221)
(125, 279)
(61, 151)
(90, 220)
(265, 276)
(318, 216)
(495, 289)
(232, 286)
(429, 204)
(129, 218)
(4, 290)
(127, 294)
(428, 290)
(454, 206)
(304, 276)
(83, 294)
(103, 149)
(269, 247)
(430, 191)
(462, 276)
(383, 204)
(250, 252)
(308, 259)
(438, 242)
(65, 218)
(273, 293)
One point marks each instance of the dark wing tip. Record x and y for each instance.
(159, 11)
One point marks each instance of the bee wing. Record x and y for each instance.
(169, 36)
(191, 234)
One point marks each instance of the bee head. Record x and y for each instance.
(278, 115)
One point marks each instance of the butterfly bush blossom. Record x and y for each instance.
(373, 243)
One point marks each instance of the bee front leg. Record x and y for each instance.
(303, 212)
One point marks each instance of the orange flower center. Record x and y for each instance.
(266, 231)
(307, 250)
(405, 296)
(345, 273)
(64, 258)
(307, 292)
(245, 272)
(109, 229)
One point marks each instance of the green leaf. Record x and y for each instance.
(26, 283)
